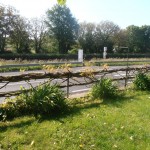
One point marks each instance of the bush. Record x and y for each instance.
(44, 100)
(104, 89)
(38, 56)
(142, 81)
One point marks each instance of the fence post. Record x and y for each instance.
(68, 85)
(126, 80)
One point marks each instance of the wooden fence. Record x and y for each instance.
(70, 78)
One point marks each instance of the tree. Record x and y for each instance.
(120, 40)
(38, 33)
(134, 38)
(19, 36)
(63, 26)
(86, 37)
(145, 30)
(94, 37)
(7, 16)
(105, 31)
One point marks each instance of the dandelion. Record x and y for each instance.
(81, 146)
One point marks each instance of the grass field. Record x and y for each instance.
(122, 124)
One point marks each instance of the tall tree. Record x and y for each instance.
(7, 16)
(145, 33)
(19, 35)
(86, 37)
(63, 26)
(104, 33)
(134, 38)
(93, 37)
(38, 32)
(120, 40)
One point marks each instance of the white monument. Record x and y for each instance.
(105, 52)
(80, 55)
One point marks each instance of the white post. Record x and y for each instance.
(80, 55)
(105, 52)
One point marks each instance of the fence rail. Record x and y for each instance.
(70, 78)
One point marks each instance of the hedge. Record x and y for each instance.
(14, 56)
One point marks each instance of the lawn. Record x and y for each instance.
(122, 124)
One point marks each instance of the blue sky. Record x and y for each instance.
(121, 12)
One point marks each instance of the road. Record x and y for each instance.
(75, 89)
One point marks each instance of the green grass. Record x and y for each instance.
(122, 124)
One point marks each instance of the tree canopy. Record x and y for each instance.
(63, 26)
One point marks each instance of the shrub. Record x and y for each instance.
(142, 81)
(104, 88)
(45, 99)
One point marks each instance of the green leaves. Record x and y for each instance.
(142, 81)
(45, 99)
(63, 26)
(61, 2)
(103, 89)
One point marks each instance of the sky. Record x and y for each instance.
(121, 12)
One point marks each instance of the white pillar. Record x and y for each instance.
(80, 55)
(105, 52)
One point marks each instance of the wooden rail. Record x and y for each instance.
(89, 76)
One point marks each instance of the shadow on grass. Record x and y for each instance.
(72, 111)
(19, 124)
(120, 100)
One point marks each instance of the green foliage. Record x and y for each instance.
(94, 37)
(38, 56)
(138, 38)
(62, 26)
(61, 2)
(73, 51)
(104, 88)
(44, 100)
(12, 108)
(7, 17)
(142, 81)
(53, 56)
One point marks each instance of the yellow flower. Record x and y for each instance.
(81, 146)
